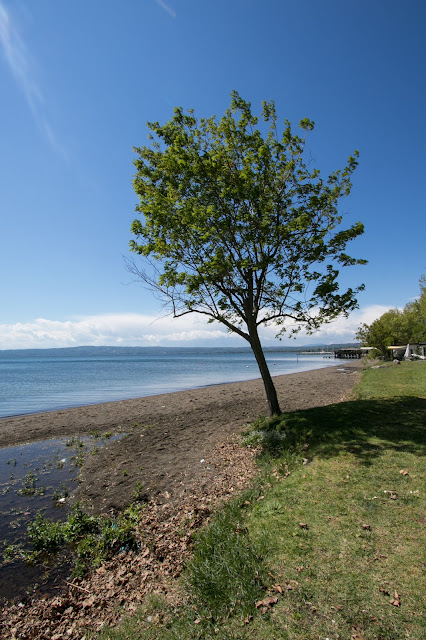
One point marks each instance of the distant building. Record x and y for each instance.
(408, 351)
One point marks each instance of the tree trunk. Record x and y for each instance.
(270, 390)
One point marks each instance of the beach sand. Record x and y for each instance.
(172, 440)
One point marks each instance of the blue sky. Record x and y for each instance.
(79, 81)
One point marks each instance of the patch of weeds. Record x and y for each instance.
(75, 442)
(268, 439)
(91, 539)
(60, 492)
(29, 486)
(107, 435)
(109, 538)
(125, 473)
(46, 536)
(11, 552)
(285, 437)
(139, 495)
(77, 460)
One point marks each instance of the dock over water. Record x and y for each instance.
(352, 353)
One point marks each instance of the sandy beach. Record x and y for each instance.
(172, 439)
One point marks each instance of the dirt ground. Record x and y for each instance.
(171, 440)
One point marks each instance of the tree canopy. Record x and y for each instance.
(396, 326)
(237, 226)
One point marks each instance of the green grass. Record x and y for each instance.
(227, 572)
(337, 534)
(405, 379)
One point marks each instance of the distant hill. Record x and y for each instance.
(88, 351)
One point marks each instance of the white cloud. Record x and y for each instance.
(19, 61)
(166, 8)
(146, 330)
(109, 329)
(344, 329)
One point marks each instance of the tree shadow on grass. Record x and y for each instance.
(362, 427)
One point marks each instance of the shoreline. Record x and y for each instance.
(29, 414)
(105, 413)
(172, 439)
(173, 387)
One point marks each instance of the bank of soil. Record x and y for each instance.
(183, 449)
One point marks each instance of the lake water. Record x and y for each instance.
(33, 384)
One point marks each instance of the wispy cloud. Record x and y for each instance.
(166, 7)
(145, 330)
(18, 59)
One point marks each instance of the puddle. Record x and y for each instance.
(37, 477)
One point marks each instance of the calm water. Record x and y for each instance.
(32, 384)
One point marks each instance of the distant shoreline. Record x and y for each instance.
(111, 350)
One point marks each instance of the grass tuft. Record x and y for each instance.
(227, 572)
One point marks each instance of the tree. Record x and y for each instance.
(415, 313)
(387, 330)
(237, 227)
(397, 327)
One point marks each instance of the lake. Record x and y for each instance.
(36, 383)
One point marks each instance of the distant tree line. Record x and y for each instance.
(397, 327)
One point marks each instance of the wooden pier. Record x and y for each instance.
(351, 354)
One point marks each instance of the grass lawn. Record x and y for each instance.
(329, 541)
